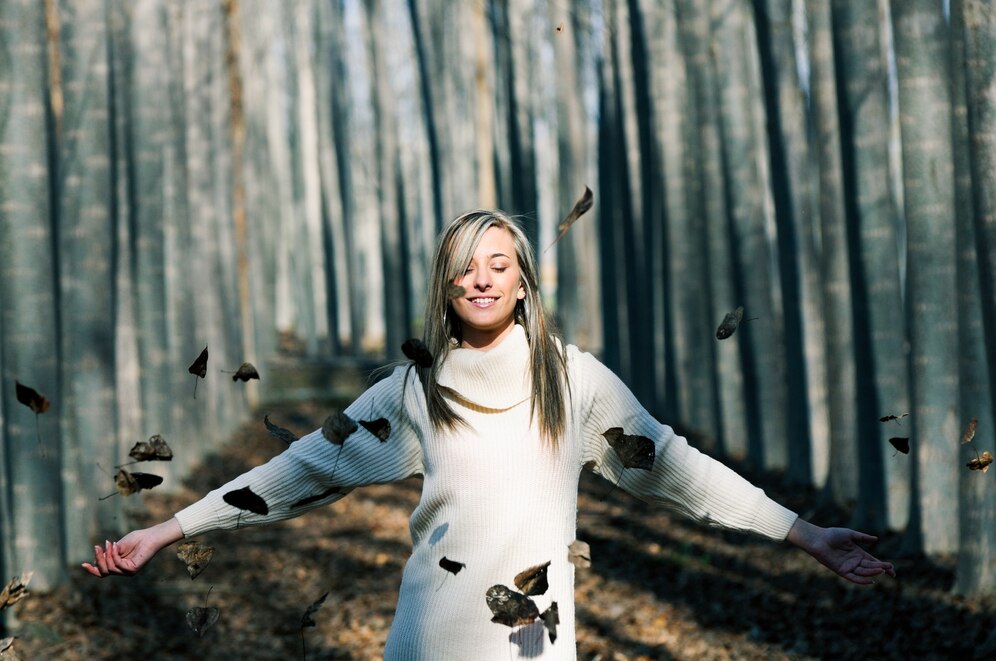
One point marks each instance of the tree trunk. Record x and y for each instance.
(29, 346)
(705, 200)
(85, 236)
(834, 268)
(884, 482)
(397, 313)
(975, 113)
(760, 340)
(796, 219)
(928, 185)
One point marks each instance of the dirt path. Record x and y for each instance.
(659, 587)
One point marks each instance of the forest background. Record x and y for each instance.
(252, 176)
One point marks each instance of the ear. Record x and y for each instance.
(521, 294)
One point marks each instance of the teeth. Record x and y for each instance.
(482, 301)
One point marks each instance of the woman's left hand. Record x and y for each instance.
(838, 549)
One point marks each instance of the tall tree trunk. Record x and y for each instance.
(330, 35)
(85, 234)
(796, 218)
(834, 267)
(396, 295)
(614, 210)
(705, 200)
(980, 71)
(760, 340)
(150, 124)
(925, 120)
(648, 294)
(29, 346)
(884, 483)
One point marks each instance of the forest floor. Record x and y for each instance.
(660, 587)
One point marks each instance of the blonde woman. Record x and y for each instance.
(499, 425)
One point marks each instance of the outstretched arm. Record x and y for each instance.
(126, 556)
(838, 549)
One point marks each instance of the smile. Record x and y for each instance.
(483, 302)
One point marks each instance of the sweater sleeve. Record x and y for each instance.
(681, 478)
(313, 471)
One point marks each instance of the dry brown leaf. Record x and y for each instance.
(969, 431)
(196, 556)
(15, 590)
(533, 581)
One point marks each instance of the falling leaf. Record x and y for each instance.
(901, 443)
(452, 566)
(579, 554)
(199, 367)
(634, 451)
(245, 372)
(969, 431)
(15, 590)
(981, 463)
(246, 499)
(510, 608)
(129, 483)
(533, 581)
(381, 428)
(580, 207)
(551, 618)
(31, 398)
(284, 435)
(196, 556)
(560, 27)
(897, 418)
(202, 618)
(453, 290)
(314, 499)
(306, 620)
(338, 427)
(155, 449)
(730, 323)
(415, 349)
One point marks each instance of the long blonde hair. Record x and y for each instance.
(442, 331)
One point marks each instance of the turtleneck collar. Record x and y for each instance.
(494, 379)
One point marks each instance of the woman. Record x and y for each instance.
(500, 425)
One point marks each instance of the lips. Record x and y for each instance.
(482, 301)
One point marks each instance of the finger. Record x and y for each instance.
(91, 569)
(863, 538)
(123, 564)
(859, 580)
(868, 571)
(112, 565)
(101, 560)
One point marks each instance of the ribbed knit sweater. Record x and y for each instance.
(495, 497)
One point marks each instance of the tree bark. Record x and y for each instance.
(744, 157)
(834, 267)
(877, 304)
(921, 40)
(29, 346)
(975, 23)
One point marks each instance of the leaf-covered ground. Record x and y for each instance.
(659, 587)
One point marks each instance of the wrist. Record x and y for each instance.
(167, 532)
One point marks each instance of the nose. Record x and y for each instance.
(482, 280)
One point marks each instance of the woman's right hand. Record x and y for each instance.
(128, 555)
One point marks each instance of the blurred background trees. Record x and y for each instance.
(256, 176)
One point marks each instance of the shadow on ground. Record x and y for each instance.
(660, 587)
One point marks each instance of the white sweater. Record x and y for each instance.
(494, 497)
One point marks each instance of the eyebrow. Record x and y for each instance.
(498, 254)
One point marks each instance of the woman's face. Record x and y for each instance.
(492, 287)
